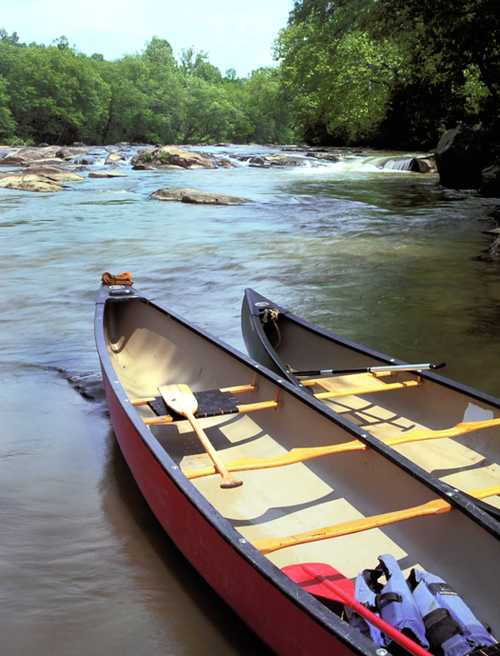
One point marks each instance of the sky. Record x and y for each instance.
(235, 33)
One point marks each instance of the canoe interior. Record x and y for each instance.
(148, 348)
(466, 461)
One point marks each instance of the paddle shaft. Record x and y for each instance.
(227, 480)
(372, 370)
(181, 399)
(358, 608)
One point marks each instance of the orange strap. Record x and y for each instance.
(124, 278)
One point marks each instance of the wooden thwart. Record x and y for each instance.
(327, 383)
(236, 389)
(459, 429)
(355, 391)
(434, 507)
(308, 453)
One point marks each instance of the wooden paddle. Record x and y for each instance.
(322, 580)
(181, 399)
(392, 368)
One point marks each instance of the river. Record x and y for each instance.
(385, 257)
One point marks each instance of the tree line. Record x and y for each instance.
(56, 95)
(378, 72)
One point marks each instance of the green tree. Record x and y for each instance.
(7, 123)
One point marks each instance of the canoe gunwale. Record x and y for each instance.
(475, 509)
(307, 603)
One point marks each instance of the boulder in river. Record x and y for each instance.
(197, 197)
(53, 173)
(490, 181)
(460, 158)
(29, 183)
(114, 158)
(44, 154)
(167, 156)
(24, 156)
(329, 157)
(266, 161)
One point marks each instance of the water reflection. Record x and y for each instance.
(170, 588)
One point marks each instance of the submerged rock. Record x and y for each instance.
(197, 197)
(107, 174)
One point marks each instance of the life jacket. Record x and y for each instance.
(396, 605)
(450, 625)
(364, 593)
(424, 607)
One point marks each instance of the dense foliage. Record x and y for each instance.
(378, 72)
(56, 95)
(393, 72)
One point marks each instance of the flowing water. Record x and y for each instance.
(385, 257)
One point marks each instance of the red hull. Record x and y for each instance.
(282, 624)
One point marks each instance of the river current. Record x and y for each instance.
(384, 257)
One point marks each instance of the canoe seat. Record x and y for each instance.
(210, 403)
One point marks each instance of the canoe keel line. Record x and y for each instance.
(142, 349)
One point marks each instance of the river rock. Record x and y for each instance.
(29, 183)
(24, 156)
(114, 158)
(86, 161)
(329, 157)
(197, 197)
(265, 161)
(68, 152)
(53, 173)
(173, 156)
(107, 174)
(490, 181)
(460, 158)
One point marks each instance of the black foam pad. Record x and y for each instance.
(210, 404)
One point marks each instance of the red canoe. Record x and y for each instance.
(341, 507)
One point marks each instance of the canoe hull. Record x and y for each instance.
(272, 615)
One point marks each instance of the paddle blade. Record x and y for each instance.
(179, 398)
(311, 577)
